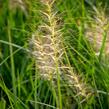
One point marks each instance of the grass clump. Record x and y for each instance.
(48, 54)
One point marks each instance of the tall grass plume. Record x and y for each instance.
(49, 52)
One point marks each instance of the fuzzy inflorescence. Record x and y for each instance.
(97, 30)
(49, 52)
(47, 43)
(18, 4)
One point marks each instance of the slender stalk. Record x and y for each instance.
(103, 45)
(35, 83)
(11, 59)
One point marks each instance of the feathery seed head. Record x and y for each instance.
(47, 45)
(96, 30)
(14, 4)
(49, 50)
